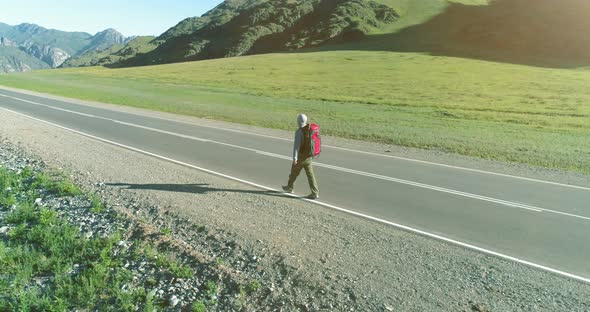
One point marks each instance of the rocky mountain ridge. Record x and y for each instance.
(28, 46)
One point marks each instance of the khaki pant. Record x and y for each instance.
(296, 170)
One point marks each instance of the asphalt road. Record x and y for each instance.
(544, 223)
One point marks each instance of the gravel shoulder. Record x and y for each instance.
(306, 257)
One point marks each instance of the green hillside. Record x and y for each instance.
(91, 58)
(114, 54)
(242, 27)
(491, 110)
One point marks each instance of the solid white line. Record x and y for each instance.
(403, 227)
(342, 169)
(330, 146)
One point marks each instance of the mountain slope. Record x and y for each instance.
(103, 40)
(239, 27)
(13, 59)
(114, 54)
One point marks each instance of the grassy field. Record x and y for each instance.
(507, 112)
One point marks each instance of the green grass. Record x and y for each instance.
(42, 246)
(199, 306)
(506, 112)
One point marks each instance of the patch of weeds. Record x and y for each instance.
(166, 231)
(47, 217)
(219, 261)
(18, 232)
(7, 201)
(211, 290)
(209, 299)
(253, 286)
(24, 213)
(239, 303)
(138, 250)
(199, 306)
(96, 205)
(56, 184)
(149, 301)
(150, 252)
(174, 266)
(8, 186)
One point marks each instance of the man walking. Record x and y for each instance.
(302, 158)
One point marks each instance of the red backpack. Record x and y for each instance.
(316, 140)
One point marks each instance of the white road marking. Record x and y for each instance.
(328, 146)
(399, 226)
(342, 169)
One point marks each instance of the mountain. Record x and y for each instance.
(49, 47)
(103, 40)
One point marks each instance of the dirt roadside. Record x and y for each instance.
(306, 257)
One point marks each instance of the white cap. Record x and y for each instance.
(302, 120)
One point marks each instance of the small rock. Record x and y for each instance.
(173, 301)
(4, 230)
(160, 292)
(37, 201)
(479, 308)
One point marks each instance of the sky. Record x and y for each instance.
(130, 17)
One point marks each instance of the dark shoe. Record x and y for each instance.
(287, 189)
(312, 196)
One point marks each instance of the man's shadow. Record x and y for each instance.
(191, 188)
